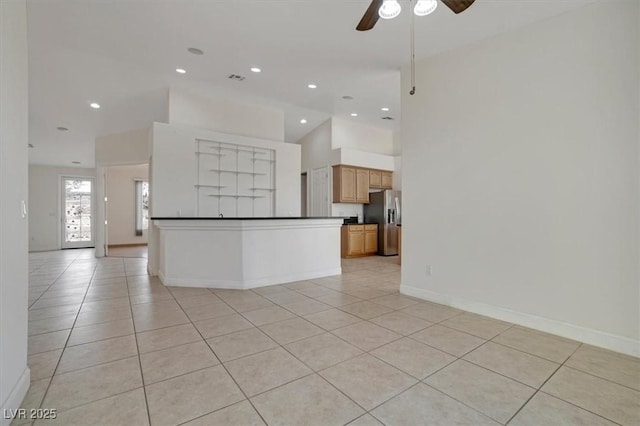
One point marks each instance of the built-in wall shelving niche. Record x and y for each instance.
(234, 180)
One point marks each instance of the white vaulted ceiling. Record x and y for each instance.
(123, 55)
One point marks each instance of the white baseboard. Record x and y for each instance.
(246, 284)
(15, 398)
(602, 339)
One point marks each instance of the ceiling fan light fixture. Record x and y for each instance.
(389, 9)
(425, 7)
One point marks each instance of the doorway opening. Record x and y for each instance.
(127, 210)
(77, 212)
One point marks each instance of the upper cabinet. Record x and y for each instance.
(380, 179)
(351, 184)
(344, 184)
(362, 186)
(387, 180)
(375, 178)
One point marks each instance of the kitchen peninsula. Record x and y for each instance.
(246, 252)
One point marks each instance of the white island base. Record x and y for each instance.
(246, 253)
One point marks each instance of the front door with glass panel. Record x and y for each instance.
(77, 212)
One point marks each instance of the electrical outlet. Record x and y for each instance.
(429, 270)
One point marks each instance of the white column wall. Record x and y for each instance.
(14, 372)
(173, 172)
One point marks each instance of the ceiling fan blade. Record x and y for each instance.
(458, 6)
(370, 17)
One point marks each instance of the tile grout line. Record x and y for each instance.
(135, 336)
(53, 374)
(541, 386)
(221, 364)
(97, 267)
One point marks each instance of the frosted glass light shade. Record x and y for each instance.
(389, 9)
(425, 7)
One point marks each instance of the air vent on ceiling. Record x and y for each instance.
(388, 118)
(30, 145)
(236, 77)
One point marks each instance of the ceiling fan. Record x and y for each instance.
(388, 9)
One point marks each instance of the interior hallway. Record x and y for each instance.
(110, 345)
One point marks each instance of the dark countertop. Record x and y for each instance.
(245, 218)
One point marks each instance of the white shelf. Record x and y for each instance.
(210, 186)
(237, 172)
(210, 153)
(240, 170)
(235, 196)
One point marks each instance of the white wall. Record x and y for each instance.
(14, 372)
(173, 171)
(397, 173)
(121, 204)
(351, 134)
(340, 141)
(520, 161)
(353, 157)
(316, 147)
(225, 116)
(123, 148)
(45, 226)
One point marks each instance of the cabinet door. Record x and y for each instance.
(362, 186)
(347, 185)
(387, 180)
(370, 242)
(375, 178)
(356, 243)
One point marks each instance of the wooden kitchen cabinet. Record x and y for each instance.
(370, 239)
(362, 186)
(350, 185)
(386, 179)
(375, 178)
(344, 184)
(359, 240)
(380, 179)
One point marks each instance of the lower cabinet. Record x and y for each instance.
(359, 240)
(370, 239)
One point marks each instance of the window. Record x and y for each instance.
(142, 206)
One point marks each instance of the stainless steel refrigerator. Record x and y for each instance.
(384, 209)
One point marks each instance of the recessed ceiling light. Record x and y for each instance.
(347, 98)
(255, 69)
(312, 86)
(62, 129)
(195, 51)
(94, 105)
(181, 71)
(385, 109)
(75, 162)
(354, 114)
(303, 121)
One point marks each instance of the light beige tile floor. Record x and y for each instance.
(109, 345)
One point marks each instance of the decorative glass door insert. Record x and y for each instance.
(77, 212)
